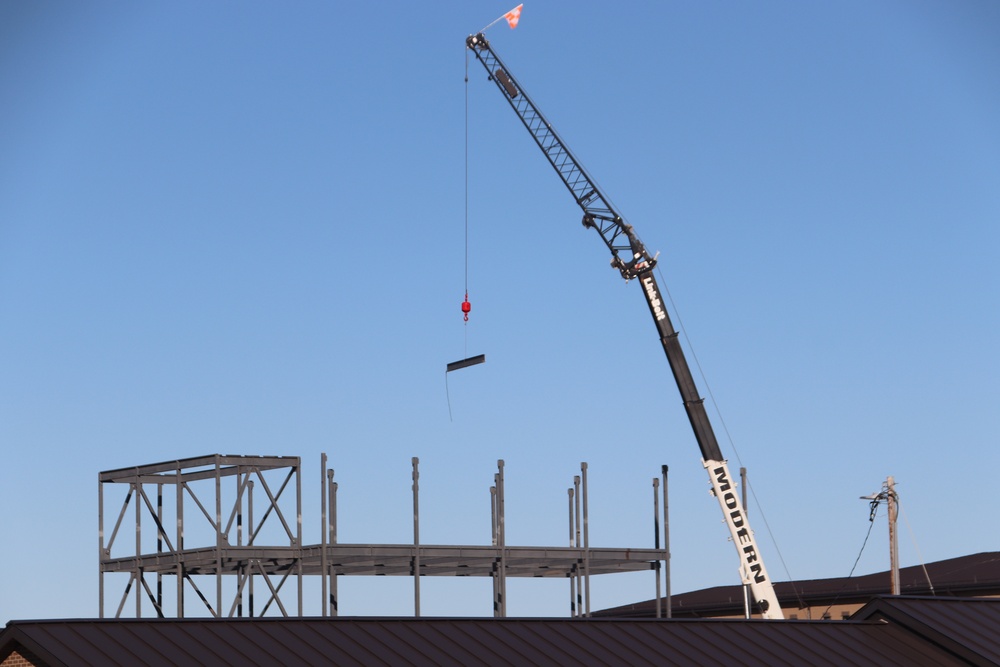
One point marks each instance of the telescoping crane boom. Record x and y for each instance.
(630, 257)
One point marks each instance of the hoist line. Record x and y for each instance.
(447, 393)
(466, 347)
(466, 170)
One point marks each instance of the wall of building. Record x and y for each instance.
(21, 658)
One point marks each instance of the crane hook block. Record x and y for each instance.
(466, 307)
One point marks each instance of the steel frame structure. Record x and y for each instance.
(216, 555)
(266, 552)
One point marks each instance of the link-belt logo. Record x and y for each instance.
(654, 299)
(743, 536)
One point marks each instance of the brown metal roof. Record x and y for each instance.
(973, 575)
(968, 627)
(368, 641)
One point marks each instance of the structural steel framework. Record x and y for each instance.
(235, 523)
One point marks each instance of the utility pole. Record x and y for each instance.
(888, 494)
(892, 502)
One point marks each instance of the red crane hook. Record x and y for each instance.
(466, 307)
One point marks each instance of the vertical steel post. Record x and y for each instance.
(250, 537)
(493, 534)
(298, 529)
(100, 549)
(138, 546)
(323, 501)
(179, 485)
(572, 572)
(416, 537)
(578, 536)
(218, 537)
(493, 511)
(656, 539)
(586, 540)
(243, 571)
(159, 545)
(334, 601)
(502, 536)
(241, 479)
(494, 521)
(666, 542)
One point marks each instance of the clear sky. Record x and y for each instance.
(238, 227)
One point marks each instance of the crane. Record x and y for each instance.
(630, 257)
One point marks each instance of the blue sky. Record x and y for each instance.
(239, 228)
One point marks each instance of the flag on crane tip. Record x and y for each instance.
(513, 16)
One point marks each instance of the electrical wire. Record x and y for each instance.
(871, 524)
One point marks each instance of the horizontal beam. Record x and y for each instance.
(396, 560)
(465, 363)
(166, 472)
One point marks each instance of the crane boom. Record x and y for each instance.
(630, 257)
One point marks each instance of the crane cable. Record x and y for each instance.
(466, 306)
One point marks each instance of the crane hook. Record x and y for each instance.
(466, 307)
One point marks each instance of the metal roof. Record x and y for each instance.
(976, 574)
(967, 627)
(399, 641)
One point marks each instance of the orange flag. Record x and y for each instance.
(513, 16)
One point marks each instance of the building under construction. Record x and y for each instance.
(222, 535)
